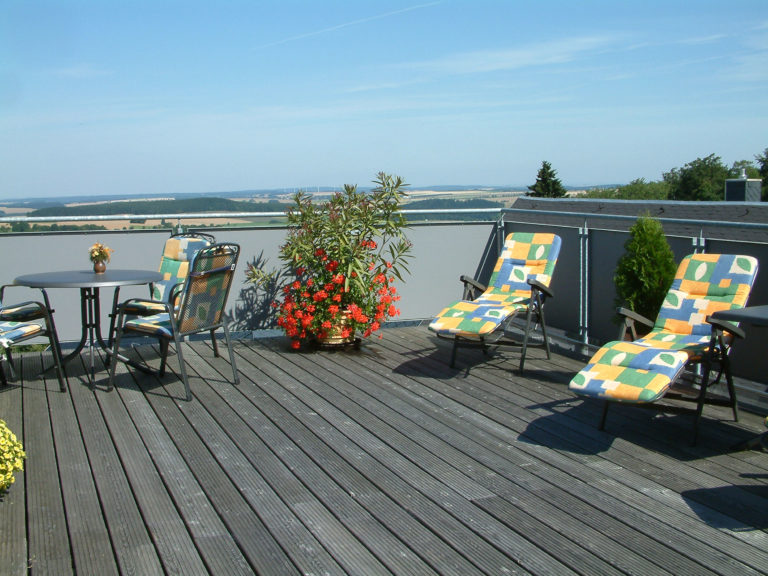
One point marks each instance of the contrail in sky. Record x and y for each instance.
(347, 24)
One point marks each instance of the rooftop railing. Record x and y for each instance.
(581, 313)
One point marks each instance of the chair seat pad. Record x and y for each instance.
(477, 318)
(143, 308)
(22, 313)
(629, 372)
(156, 325)
(11, 332)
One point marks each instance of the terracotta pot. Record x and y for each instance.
(99, 267)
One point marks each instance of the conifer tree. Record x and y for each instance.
(547, 184)
(646, 269)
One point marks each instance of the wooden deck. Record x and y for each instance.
(377, 461)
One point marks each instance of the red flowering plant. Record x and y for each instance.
(342, 258)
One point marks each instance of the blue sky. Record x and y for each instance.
(165, 97)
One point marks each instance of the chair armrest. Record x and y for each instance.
(726, 326)
(634, 316)
(174, 294)
(472, 287)
(536, 285)
(629, 319)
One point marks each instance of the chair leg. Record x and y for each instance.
(3, 379)
(544, 330)
(604, 415)
(235, 373)
(214, 344)
(182, 367)
(731, 388)
(528, 316)
(164, 343)
(57, 356)
(115, 352)
(11, 365)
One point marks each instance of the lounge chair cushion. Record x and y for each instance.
(525, 256)
(643, 370)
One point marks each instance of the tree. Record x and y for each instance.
(762, 161)
(638, 189)
(701, 180)
(547, 184)
(646, 269)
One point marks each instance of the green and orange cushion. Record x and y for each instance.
(12, 332)
(174, 266)
(525, 256)
(643, 370)
(23, 313)
(203, 306)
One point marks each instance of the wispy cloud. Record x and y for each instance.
(80, 71)
(703, 39)
(348, 24)
(544, 54)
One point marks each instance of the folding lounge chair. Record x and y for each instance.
(22, 322)
(518, 285)
(642, 371)
(200, 309)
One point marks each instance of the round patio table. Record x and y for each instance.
(89, 284)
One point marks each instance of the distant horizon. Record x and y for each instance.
(270, 191)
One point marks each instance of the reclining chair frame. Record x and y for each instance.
(716, 357)
(499, 337)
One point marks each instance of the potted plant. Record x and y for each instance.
(644, 272)
(341, 259)
(11, 456)
(100, 254)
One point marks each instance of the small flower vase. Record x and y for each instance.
(99, 266)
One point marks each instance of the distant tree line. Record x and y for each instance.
(702, 179)
(187, 205)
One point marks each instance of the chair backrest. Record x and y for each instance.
(178, 252)
(207, 287)
(704, 284)
(525, 255)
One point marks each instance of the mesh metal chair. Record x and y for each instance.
(178, 252)
(519, 285)
(641, 372)
(24, 321)
(200, 309)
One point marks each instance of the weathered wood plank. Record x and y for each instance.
(380, 461)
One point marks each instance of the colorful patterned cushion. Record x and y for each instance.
(629, 372)
(178, 252)
(25, 313)
(174, 266)
(157, 325)
(11, 332)
(643, 370)
(525, 256)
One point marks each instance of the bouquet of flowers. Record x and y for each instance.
(100, 252)
(342, 258)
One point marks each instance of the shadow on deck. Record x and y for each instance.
(377, 461)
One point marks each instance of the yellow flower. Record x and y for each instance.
(11, 456)
(100, 252)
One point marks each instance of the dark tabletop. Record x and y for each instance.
(88, 278)
(755, 315)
